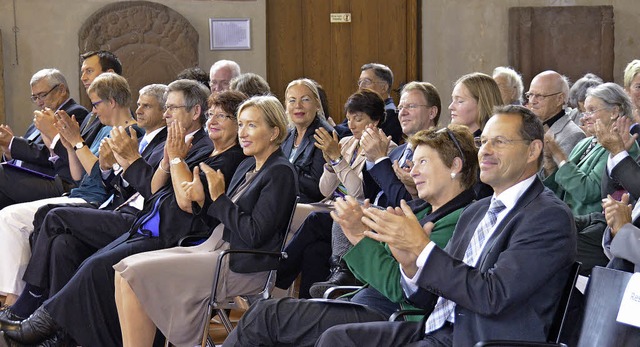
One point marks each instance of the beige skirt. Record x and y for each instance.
(174, 285)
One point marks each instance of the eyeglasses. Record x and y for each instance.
(218, 117)
(95, 104)
(221, 84)
(365, 82)
(530, 95)
(410, 107)
(454, 140)
(591, 113)
(41, 96)
(171, 108)
(496, 142)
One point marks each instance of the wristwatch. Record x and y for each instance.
(175, 161)
(116, 167)
(79, 145)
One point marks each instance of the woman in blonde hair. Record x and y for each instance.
(473, 98)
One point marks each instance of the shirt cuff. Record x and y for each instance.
(613, 161)
(411, 284)
(371, 164)
(11, 143)
(54, 141)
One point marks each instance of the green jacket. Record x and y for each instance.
(578, 182)
(373, 264)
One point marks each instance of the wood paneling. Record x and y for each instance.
(303, 43)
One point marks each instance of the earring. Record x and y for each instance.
(453, 175)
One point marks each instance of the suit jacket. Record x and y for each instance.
(257, 220)
(624, 174)
(308, 160)
(33, 153)
(384, 178)
(566, 133)
(513, 292)
(626, 244)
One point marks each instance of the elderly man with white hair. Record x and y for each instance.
(221, 74)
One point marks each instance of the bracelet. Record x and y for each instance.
(335, 162)
(165, 171)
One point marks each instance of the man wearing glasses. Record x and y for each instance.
(546, 97)
(221, 74)
(50, 94)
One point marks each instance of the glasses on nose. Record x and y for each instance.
(366, 83)
(454, 140)
(95, 104)
(533, 96)
(41, 96)
(496, 142)
(591, 113)
(219, 117)
(410, 107)
(224, 84)
(171, 108)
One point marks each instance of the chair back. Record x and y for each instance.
(559, 320)
(604, 295)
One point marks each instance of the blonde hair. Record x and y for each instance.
(630, 72)
(111, 86)
(485, 91)
(272, 111)
(311, 85)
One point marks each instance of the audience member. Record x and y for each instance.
(577, 94)
(85, 307)
(250, 84)
(547, 96)
(502, 283)
(577, 178)
(310, 248)
(50, 93)
(622, 237)
(510, 84)
(379, 78)
(632, 87)
(110, 95)
(196, 74)
(305, 115)
(221, 74)
(66, 235)
(445, 171)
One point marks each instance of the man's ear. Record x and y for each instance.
(535, 150)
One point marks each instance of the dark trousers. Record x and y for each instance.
(295, 322)
(307, 253)
(18, 186)
(66, 237)
(85, 308)
(385, 334)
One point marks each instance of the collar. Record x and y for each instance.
(549, 122)
(512, 194)
(149, 136)
(63, 104)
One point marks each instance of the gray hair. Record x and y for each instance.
(382, 71)
(157, 91)
(51, 76)
(612, 95)
(194, 94)
(514, 78)
(578, 91)
(229, 64)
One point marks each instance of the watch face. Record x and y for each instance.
(175, 161)
(79, 145)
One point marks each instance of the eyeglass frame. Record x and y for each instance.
(370, 82)
(454, 140)
(220, 116)
(591, 113)
(477, 141)
(95, 104)
(530, 95)
(411, 107)
(42, 95)
(172, 108)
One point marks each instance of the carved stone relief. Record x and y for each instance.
(572, 40)
(154, 42)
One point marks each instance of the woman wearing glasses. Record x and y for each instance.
(305, 113)
(445, 171)
(577, 178)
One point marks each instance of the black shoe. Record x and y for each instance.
(35, 329)
(7, 316)
(340, 276)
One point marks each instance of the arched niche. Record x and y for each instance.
(154, 42)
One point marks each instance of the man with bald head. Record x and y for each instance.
(221, 74)
(547, 95)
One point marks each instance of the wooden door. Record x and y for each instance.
(302, 42)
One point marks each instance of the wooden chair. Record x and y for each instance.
(599, 326)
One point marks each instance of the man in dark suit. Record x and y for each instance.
(66, 235)
(19, 186)
(50, 92)
(502, 273)
(379, 78)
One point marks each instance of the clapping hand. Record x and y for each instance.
(617, 213)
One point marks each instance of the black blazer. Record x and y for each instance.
(382, 177)
(33, 153)
(513, 292)
(259, 218)
(625, 174)
(308, 161)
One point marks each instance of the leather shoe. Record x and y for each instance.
(7, 316)
(340, 276)
(35, 329)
